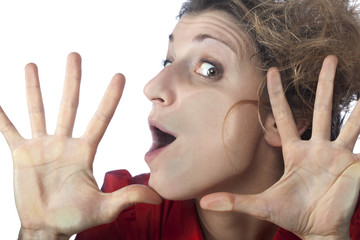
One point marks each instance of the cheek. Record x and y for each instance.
(241, 134)
(208, 151)
(202, 118)
(196, 161)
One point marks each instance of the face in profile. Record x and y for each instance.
(207, 71)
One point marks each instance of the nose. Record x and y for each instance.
(161, 89)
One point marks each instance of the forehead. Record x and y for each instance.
(216, 24)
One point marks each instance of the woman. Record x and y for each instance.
(229, 165)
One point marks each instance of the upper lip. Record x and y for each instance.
(154, 124)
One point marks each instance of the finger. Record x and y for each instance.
(281, 110)
(70, 98)
(34, 100)
(351, 130)
(114, 203)
(323, 101)
(228, 202)
(98, 124)
(10, 133)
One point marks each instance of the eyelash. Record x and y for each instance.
(165, 62)
(217, 65)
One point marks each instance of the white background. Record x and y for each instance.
(112, 36)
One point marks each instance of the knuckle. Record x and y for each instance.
(103, 117)
(131, 195)
(69, 103)
(5, 128)
(36, 110)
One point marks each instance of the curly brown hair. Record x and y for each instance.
(296, 36)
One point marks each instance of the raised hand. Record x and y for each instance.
(318, 192)
(55, 191)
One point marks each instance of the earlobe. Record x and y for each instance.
(272, 135)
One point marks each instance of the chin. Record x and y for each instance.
(170, 191)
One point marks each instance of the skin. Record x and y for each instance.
(56, 195)
(193, 105)
(330, 168)
(55, 192)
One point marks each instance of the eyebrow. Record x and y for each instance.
(202, 37)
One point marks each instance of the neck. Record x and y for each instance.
(230, 225)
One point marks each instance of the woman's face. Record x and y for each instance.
(194, 151)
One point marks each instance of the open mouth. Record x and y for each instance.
(160, 138)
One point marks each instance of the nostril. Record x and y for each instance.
(158, 100)
(153, 91)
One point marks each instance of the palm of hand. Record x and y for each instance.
(311, 196)
(58, 172)
(55, 191)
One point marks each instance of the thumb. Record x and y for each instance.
(253, 205)
(113, 203)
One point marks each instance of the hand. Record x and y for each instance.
(317, 194)
(55, 191)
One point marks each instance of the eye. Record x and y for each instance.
(166, 63)
(209, 70)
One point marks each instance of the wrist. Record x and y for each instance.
(27, 234)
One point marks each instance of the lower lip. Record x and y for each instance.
(152, 154)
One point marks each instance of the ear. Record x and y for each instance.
(272, 136)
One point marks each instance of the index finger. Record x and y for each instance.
(323, 101)
(98, 124)
(35, 101)
(281, 110)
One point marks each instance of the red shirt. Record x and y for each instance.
(172, 220)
